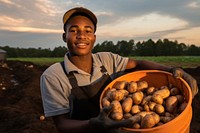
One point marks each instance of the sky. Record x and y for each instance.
(38, 23)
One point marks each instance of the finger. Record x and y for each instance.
(177, 72)
(122, 123)
(194, 87)
(192, 83)
(106, 111)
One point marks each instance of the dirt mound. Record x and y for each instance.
(20, 99)
(21, 104)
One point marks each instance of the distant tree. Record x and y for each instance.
(125, 48)
(59, 51)
(106, 46)
(194, 50)
(159, 47)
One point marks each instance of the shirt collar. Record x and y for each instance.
(69, 66)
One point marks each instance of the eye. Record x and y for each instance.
(73, 30)
(88, 31)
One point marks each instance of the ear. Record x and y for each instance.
(64, 37)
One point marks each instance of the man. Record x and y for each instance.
(71, 89)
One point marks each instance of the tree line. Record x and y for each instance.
(160, 47)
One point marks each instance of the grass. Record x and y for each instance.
(175, 61)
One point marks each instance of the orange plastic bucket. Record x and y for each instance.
(180, 124)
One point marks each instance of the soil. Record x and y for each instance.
(21, 104)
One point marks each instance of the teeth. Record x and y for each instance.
(81, 44)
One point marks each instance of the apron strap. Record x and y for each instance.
(80, 93)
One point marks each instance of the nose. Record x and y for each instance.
(81, 35)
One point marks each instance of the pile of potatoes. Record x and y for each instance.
(145, 105)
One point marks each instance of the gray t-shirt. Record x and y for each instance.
(55, 86)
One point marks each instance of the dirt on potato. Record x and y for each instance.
(21, 104)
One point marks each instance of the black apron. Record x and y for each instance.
(84, 100)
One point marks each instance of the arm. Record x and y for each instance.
(142, 64)
(64, 124)
(55, 101)
(177, 72)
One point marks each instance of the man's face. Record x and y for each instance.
(80, 35)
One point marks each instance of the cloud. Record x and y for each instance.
(9, 3)
(194, 4)
(47, 7)
(33, 14)
(29, 29)
(140, 26)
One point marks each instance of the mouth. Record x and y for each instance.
(82, 44)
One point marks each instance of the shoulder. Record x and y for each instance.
(105, 55)
(109, 56)
(53, 70)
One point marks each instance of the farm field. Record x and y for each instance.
(20, 99)
(176, 61)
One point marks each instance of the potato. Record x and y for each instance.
(42, 117)
(146, 107)
(135, 118)
(116, 106)
(105, 102)
(127, 104)
(117, 116)
(165, 119)
(174, 91)
(121, 85)
(117, 112)
(159, 123)
(171, 103)
(159, 109)
(137, 97)
(148, 121)
(167, 114)
(156, 117)
(136, 126)
(146, 99)
(116, 95)
(180, 98)
(151, 105)
(108, 93)
(125, 92)
(151, 90)
(164, 92)
(132, 87)
(157, 98)
(136, 109)
(182, 107)
(127, 115)
(143, 113)
(141, 85)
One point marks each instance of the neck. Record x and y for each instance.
(82, 62)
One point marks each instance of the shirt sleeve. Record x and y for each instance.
(114, 63)
(54, 96)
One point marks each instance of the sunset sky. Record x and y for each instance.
(38, 23)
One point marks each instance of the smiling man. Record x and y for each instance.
(71, 89)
